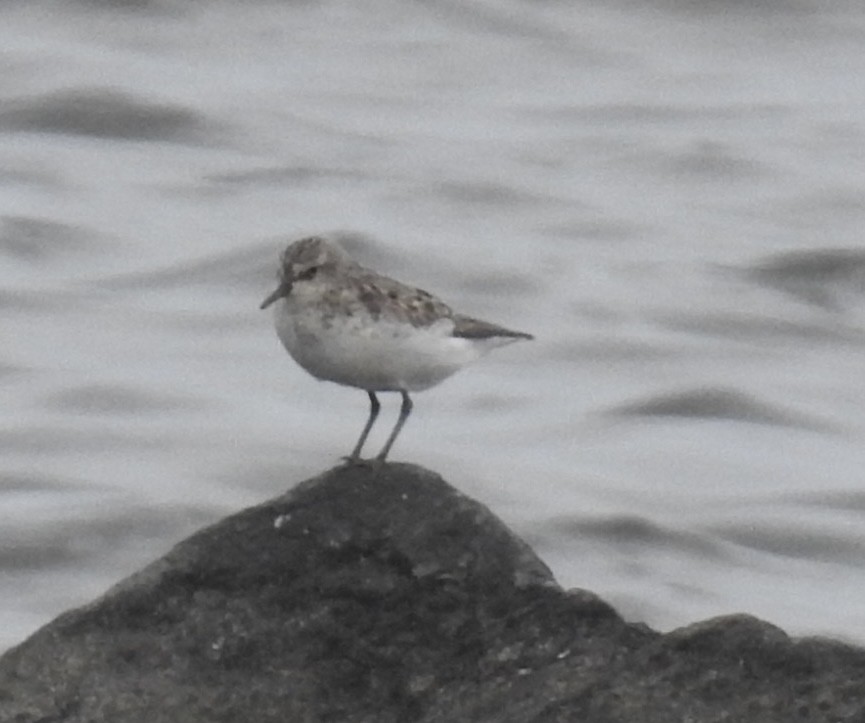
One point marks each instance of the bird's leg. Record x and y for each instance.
(404, 411)
(374, 408)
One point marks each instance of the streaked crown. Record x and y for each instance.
(313, 252)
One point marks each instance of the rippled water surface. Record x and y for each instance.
(669, 194)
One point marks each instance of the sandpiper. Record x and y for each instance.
(347, 324)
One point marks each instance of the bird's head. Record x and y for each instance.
(303, 261)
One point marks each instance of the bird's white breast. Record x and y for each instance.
(370, 353)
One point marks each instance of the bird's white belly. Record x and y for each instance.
(376, 355)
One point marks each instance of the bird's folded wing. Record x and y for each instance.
(466, 327)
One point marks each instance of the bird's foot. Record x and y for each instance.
(372, 463)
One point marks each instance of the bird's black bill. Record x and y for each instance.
(279, 292)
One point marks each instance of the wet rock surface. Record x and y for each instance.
(383, 594)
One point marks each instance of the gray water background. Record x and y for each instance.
(669, 194)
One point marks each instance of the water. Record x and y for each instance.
(669, 195)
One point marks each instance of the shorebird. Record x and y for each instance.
(347, 324)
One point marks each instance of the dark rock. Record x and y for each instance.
(382, 594)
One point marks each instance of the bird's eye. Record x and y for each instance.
(307, 274)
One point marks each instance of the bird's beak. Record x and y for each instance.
(284, 289)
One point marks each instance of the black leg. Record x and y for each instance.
(404, 411)
(374, 408)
